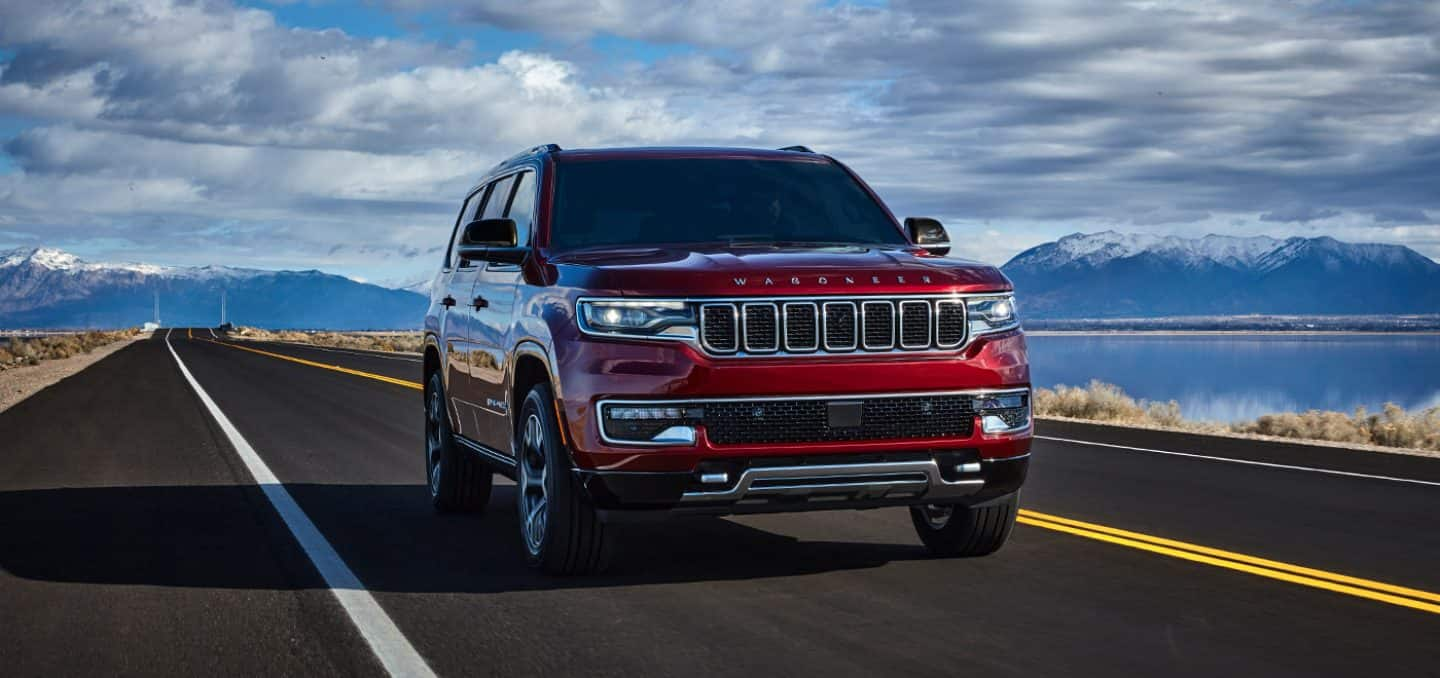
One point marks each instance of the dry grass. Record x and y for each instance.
(1394, 427)
(391, 342)
(19, 352)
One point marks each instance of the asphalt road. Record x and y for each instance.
(134, 540)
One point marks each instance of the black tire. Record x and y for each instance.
(964, 531)
(458, 482)
(559, 527)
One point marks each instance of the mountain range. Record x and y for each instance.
(1110, 275)
(1097, 275)
(49, 288)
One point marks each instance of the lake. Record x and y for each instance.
(1232, 377)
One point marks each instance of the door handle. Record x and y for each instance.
(447, 301)
(480, 303)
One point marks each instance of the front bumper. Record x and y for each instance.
(769, 485)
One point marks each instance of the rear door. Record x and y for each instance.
(457, 322)
(498, 286)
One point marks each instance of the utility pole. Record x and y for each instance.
(222, 308)
(157, 308)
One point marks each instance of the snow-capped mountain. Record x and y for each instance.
(1139, 275)
(45, 287)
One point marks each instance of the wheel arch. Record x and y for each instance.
(432, 363)
(531, 365)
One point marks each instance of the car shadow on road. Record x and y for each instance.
(228, 536)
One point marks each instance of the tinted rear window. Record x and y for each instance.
(678, 201)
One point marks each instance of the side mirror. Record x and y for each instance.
(928, 234)
(493, 240)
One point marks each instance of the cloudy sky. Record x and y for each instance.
(322, 134)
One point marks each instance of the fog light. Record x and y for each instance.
(993, 424)
(650, 424)
(627, 413)
(675, 435)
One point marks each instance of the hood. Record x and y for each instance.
(771, 270)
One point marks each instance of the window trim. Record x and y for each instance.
(485, 185)
(451, 263)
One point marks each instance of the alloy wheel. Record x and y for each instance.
(533, 493)
(434, 446)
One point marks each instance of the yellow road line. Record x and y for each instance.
(188, 335)
(1240, 557)
(368, 375)
(1242, 563)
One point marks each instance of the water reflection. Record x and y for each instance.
(1232, 377)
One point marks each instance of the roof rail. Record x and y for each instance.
(797, 149)
(533, 150)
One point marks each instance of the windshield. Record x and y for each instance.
(708, 200)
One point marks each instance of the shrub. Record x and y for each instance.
(406, 342)
(1103, 402)
(1392, 427)
(31, 351)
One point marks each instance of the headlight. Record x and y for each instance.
(992, 314)
(638, 318)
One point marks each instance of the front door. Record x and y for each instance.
(458, 325)
(485, 307)
(498, 285)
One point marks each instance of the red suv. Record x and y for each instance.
(716, 331)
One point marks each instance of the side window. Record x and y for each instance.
(501, 192)
(467, 215)
(522, 207)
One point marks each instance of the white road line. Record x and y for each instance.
(212, 333)
(395, 653)
(1206, 457)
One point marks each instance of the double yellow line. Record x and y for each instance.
(334, 368)
(1415, 599)
(1271, 569)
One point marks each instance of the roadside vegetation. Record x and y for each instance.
(1391, 427)
(23, 351)
(391, 342)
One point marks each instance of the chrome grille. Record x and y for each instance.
(762, 328)
(718, 328)
(832, 325)
(802, 326)
(841, 329)
(949, 323)
(878, 320)
(914, 324)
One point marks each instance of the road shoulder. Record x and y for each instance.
(1278, 451)
(19, 383)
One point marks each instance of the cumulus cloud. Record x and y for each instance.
(170, 122)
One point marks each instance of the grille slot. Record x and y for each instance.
(949, 323)
(718, 328)
(762, 328)
(841, 326)
(802, 326)
(806, 421)
(878, 318)
(914, 324)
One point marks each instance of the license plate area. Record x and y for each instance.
(845, 413)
